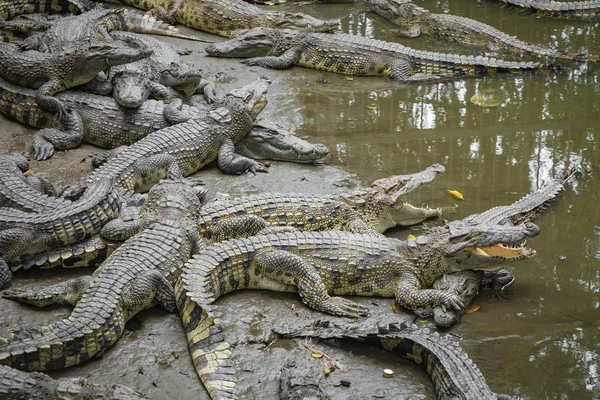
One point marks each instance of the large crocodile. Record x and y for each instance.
(224, 17)
(18, 385)
(29, 233)
(140, 274)
(453, 374)
(353, 55)
(414, 21)
(182, 149)
(582, 10)
(320, 266)
(53, 73)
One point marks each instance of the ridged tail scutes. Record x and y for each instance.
(210, 352)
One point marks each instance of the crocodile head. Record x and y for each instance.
(185, 77)
(301, 22)
(256, 42)
(381, 206)
(130, 89)
(403, 13)
(253, 96)
(484, 246)
(270, 141)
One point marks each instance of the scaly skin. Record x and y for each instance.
(53, 73)
(182, 149)
(415, 21)
(453, 374)
(11, 8)
(353, 55)
(17, 385)
(16, 190)
(320, 266)
(581, 10)
(224, 17)
(139, 275)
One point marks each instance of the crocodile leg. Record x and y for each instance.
(118, 229)
(286, 60)
(289, 269)
(45, 141)
(14, 241)
(401, 71)
(5, 275)
(410, 295)
(152, 169)
(231, 163)
(173, 113)
(65, 293)
(146, 289)
(44, 99)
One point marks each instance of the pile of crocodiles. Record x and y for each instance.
(81, 71)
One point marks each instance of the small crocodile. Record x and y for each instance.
(581, 10)
(18, 385)
(139, 275)
(18, 191)
(53, 73)
(224, 17)
(414, 21)
(29, 233)
(453, 374)
(353, 55)
(320, 266)
(182, 149)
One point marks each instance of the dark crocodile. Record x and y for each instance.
(17, 190)
(139, 275)
(353, 55)
(415, 21)
(466, 284)
(29, 233)
(224, 17)
(581, 10)
(53, 73)
(182, 149)
(18, 385)
(320, 266)
(453, 374)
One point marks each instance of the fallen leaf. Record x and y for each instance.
(456, 194)
(326, 371)
(472, 309)
(82, 160)
(411, 236)
(349, 78)
(293, 307)
(316, 355)
(382, 31)
(511, 193)
(372, 107)
(28, 172)
(394, 309)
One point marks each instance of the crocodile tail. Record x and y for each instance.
(135, 21)
(11, 8)
(208, 348)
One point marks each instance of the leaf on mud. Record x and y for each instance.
(28, 172)
(349, 78)
(326, 371)
(456, 194)
(511, 193)
(82, 160)
(382, 31)
(316, 355)
(293, 307)
(394, 309)
(411, 236)
(472, 309)
(373, 107)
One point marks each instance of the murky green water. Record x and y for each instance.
(541, 343)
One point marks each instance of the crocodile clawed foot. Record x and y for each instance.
(250, 61)
(43, 150)
(452, 301)
(257, 168)
(346, 308)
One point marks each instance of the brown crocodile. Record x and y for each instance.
(353, 55)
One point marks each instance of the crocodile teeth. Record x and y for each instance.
(480, 252)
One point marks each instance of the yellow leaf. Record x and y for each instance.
(317, 355)
(349, 78)
(411, 236)
(293, 307)
(382, 31)
(472, 309)
(511, 193)
(394, 307)
(456, 194)
(28, 172)
(372, 107)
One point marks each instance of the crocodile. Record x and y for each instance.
(29, 233)
(138, 275)
(467, 283)
(353, 55)
(415, 21)
(53, 73)
(320, 266)
(182, 149)
(19, 385)
(224, 17)
(453, 373)
(18, 191)
(580, 10)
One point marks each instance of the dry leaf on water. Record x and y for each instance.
(456, 194)
(472, 309)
